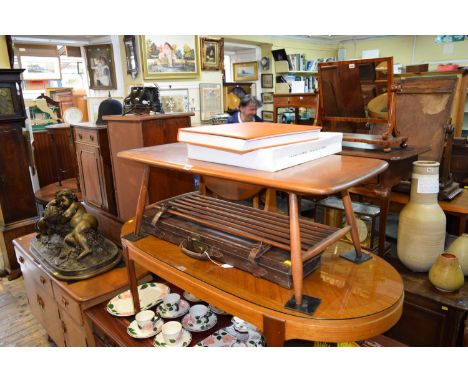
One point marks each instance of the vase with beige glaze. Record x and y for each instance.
(421, 227)
(460, 249)
(446, 274)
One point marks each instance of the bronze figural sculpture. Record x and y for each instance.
(68, 243)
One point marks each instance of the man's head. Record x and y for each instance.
(248, 108)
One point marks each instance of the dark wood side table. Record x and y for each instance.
(430, 317)
(295, 100)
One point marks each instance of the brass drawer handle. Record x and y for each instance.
(92, 138)
(80, 136)
(65, 302)
(40, 301)
(21, 259)
(42, 280)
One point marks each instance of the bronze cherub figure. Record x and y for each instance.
(68, 242)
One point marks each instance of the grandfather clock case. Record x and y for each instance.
(18, 213)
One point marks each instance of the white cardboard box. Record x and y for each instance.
(274, 158)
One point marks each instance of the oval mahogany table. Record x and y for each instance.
(358, 301)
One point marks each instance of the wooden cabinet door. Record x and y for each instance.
(89, 163)
(74, 334)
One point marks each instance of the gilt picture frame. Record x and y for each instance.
(212, 53)
(245, 71)
(267, 97)
(167, 57)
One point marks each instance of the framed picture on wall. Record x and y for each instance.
(40, 68)
(174, 100)
(212, 53)
(210, 101)
(100, 63)
(131, 55)
(267, 97)
(169, 57)
(267, 116)
(245, 71)
(267, 81)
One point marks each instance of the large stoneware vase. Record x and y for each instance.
(460, 249)
(446, 274)
(421, 227)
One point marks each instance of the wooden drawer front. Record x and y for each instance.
(34, 273)
(86, 136)
(67, 304)
(295, 101)
(74, 334)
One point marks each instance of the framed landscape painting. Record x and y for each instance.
(40, 68)
(267, 116)
(245, 71)
(169, 57)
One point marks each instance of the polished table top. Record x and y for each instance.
(324, 176)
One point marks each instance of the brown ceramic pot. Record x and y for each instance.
(446, 274)
(421, 227)
(460, 249)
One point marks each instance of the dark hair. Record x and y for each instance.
(248, 99)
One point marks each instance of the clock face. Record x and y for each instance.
(6, 101)
(362, 231)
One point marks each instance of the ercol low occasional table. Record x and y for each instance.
(355, 295)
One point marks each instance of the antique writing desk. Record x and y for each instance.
(359, 298)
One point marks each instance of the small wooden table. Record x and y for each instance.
(330, 175)
(45, 194)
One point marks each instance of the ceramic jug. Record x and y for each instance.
(421, 227)
(446, 274)
(460, 249)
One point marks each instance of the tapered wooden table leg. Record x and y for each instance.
(299, 302)
(357, 256)
(142, 196)
(132, 279)
(296, 252)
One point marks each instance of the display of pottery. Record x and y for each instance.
(446, 274)
(421, 228)
(460, 249)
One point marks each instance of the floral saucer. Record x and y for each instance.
(134, 331)
(165, 312)
(183, 342)
(216, 310)
(190, 297)
(227, 337)
(190, 323)
(150, 294)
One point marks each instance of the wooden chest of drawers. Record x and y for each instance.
(58, 305)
